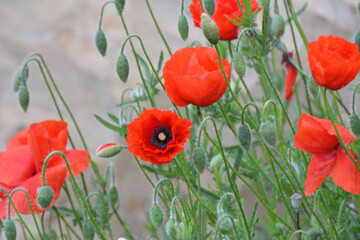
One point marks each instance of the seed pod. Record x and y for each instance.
(357, 39)
(239, 64)
(108, 150)
(296, 200)
(170, 229)
(120, 5)
(200, 158)
(100, 41)
(24, 97)
(244, 137)
(209, 7)
(216, 161)
(113, 195)
(355, 124)
(122, 68)
(44, 197)
(183, 27)
(267, 130)
(10, 229)
(88, 230)
(156, 215)
(210, 29)
(18, 77)
(312, 87)
(277, 25)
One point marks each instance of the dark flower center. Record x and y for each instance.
(161, 136)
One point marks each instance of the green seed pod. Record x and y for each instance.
(183, 27)
(170, 229)
(200, 158)
(355, 124)
(296, 200)
(44, 197)
(113, 195)
(239, 64)
(23, 97)
(216, 161)
(209, 7)
(244, 137)
(122, 68)
(210, 29)
(312, 87)
(277, 25)
(9, 229)
(18, 77)
(88, 230)
(108, 150)
(100, 41)
(357, 39)
(156, 215)
(313, 234)
(267, 130)
(120, 5)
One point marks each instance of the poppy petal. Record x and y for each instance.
(345, 174)
(78, 160)
(290, 81)
(319, 169)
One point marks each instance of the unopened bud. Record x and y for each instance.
(45, 197)
(18, 79)
(296, 200)
(224, 222)
(216, 161)
(170, 229)
(137, 93)
(183, 27)
(100, 41)
(120, 5)
(355, 124)
(156, 215)
(209, 28)
(52, 234)
(24, 97)
(88, 230)
(45, 236)
(209, 7)
(244, 137)
(313, 234)
(239, 64)
(267, 130)
(277, 25)
(122, 68)
(357, 39)
(312, 87)
(200, 158)
(10, 229)
(108, 150)
(113, 195)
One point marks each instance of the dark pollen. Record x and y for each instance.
(161, 136)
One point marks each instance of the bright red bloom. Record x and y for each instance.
(157, 136)
(193, 75)
(334, 62)
(21, 164)
(318, 137)
(223, 9)
(290, 77)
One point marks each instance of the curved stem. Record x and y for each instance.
(353, 98)
(257, 111)
(160, 184)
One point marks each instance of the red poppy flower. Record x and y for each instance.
(334, 62)
(290, 76)
(21, 164)
(193, 75)
(318, 137)
(157, 136)
(223, 9)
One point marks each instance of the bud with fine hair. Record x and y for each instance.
(312, 87)
(156, 215)
(45, 196)
(244, 137)
(210, 29)
(88, 230)
(18, 79)
(113, 195)
(209, 7)
(355, 124)
(122, 68)
(120, 5)
(170, 229)
(24, 97)
(100, 41)
(108, 150)
(277, 25)
(183, 27)
(239, 64)
(200, 158)
(216, 161)
(9, 229)
(267, 130)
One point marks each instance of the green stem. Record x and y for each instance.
(68, 226)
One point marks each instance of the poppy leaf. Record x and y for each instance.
(110, 126)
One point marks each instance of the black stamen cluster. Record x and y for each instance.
(155, 137)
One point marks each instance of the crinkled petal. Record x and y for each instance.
(290, 81)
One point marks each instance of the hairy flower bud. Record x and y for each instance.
(244, 137)
(209, 28)
(200, 158)
(277, 25)
(156, 215)
(122, 68)
(267, 130)
(18, 79)
(100, 41)
(216, 161)
(209, 7)
(239, 64)
(357, 39)
(355, 124)
(312, 87)
(108, 150)
(183, 27)
(24, 97)
(45, 196)
(52, 234)
(120, 5)
(170, 229)
(88, 230)
(224, 222)
(296, 200)
(113, 195)
(9, 229)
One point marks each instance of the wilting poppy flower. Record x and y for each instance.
(157, 136)
(318, 137)
(334, 62)
(193, 75)
(223, 9)
(22, 161)
(290, 76)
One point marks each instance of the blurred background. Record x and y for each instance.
(64, 33)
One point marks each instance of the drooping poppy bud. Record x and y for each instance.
(200, 158)
(122, 68)
(209, 7)
(113, 195)
(224, 222)
(267, 130)
(216, 161)
(312, 87)
(296, 200)
(244, 137)
(24, 97)
(45, 197)
(209, 28)
(156, 215)
(183, 27)
(108, 150)
(18, 79)
(355, 124)
(100, 41)
(120, 5)
(9, 229)
(277, 25)
(88, 230)
(239, 64)
(170, 229)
